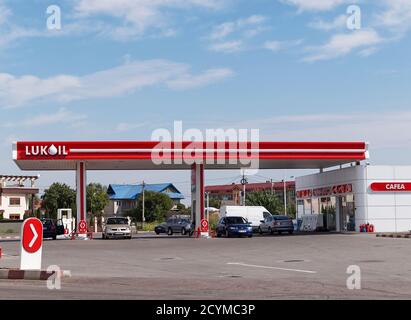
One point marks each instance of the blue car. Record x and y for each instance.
(234, 226)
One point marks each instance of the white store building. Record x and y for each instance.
(346, 198)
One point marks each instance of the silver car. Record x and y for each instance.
(116, 227)
(277, 223)
(179, 225)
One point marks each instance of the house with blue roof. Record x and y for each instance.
(124, 197)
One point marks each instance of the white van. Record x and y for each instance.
(253, 214)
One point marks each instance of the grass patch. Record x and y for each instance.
(148, 226)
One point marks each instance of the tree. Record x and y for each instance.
(215, 203)
(97, 198)
(58, 195)
(266, 199)
(156, 206)
(182, 209)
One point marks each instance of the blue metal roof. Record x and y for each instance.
(132, 191)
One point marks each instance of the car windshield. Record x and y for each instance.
(47, 222)
(236, 220)
(281, 218)
(117, 221)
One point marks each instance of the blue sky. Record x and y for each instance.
(118, 70)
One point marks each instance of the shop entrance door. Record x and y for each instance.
(346, 206)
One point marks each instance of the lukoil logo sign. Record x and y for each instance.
(46, 150)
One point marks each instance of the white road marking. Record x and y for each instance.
(269, 267)
(35, 235)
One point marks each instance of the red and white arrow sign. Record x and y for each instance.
(31, 244)
(32, 235)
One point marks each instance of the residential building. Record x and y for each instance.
(124, 197)
(17, 196)
(231, 194)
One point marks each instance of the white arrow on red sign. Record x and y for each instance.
(35, 235)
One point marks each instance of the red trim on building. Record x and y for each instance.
(277, 186)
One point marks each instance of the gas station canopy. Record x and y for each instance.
(155, 155)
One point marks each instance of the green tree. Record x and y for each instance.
(58, 195)
(214, 203)
(266, 199)
(156, 206)
(97, 199)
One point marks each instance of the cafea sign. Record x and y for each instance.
(391, 186)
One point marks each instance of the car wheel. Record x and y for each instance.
(54, 237)
(157, 233)
(280, 233)
(290, 232)
(183, 231)
(260, 231)
(250, 235)
(227, 234)
(170, 232)
(103, 236)
(218, 235)
(271, 231)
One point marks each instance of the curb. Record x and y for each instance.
(394, 235)
(16, 274)
(10, 238)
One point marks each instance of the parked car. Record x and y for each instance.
(253, 214)
(116, 227)
(179, 225)
(161, 228)
(52, 228)
(278, 224)
(234, 226)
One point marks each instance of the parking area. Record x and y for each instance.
(263, 267)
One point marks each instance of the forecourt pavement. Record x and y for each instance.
(310, 266)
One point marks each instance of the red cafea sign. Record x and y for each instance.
(391, 186)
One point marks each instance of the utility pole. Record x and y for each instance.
(244, 182)
(285, 197)
(143, 217)
(272, 186)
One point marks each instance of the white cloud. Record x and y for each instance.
(242, 30)
(138, 16)
(227, 46)
(338, 23)
(5, 13)
(276, 46)
(381, 129)
(250, 26)
(22, 90)
(397, 15)
(316, 5)
(60, 117)
(343, 44)
(189, 81)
